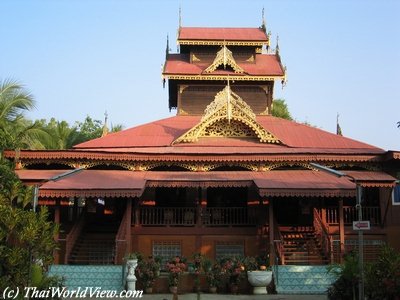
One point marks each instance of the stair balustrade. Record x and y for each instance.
(322, 234)
(121, 239)
(73, 235)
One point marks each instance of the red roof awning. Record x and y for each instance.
(303, 183)
(96, 183)
(283, 183)
(372, 178)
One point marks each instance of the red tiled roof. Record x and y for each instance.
(100, 183)
(295, 137)
(372, 178)
(221, 34)
(94, 183)
(301, 183)
(265, 65)
(38, 175)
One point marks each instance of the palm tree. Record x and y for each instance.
(15, 130)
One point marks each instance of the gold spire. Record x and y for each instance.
(180, 17)
(105, 128)
(263, 25)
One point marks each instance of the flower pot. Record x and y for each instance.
(173, 289)
(259, 280)
(234, 288)
(213, 289)
(148, 290)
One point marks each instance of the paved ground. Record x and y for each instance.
(233, 297)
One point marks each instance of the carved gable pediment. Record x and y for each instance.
(224, 57)
(228, 116)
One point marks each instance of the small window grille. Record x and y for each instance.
(166, 250)
(229, 250)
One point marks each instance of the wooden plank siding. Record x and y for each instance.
(194, 98)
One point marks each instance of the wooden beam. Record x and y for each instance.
(341, 229)
(271, 232)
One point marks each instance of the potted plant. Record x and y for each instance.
(197, 270)
(232, 268)
(213, 275)
(147, 271)
(175, 268)
(258, 273)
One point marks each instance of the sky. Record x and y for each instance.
(85, 57)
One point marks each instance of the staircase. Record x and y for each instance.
(75, 277)
(301, 247)
(95, 245)
(302, 279)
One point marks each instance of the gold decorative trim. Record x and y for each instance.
(250, 59)
(224, 57)
(182, 87)
(221, 43)
(195, 58)
(223, 77)
(228, 108)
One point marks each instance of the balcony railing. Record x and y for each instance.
(188, 216)
(350, 214)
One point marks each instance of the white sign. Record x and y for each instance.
(361, 225)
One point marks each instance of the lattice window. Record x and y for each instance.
(166, 250)
(229, 249)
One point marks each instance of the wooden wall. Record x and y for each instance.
(194, 99)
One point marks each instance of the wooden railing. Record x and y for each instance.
(350, 214)
(120, 240)
(72, 236)
(225, 216)
(187, 216)
(322, 234)
(278, 244)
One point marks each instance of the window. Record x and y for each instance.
(396, 195)
(229, 249)
(166, 250)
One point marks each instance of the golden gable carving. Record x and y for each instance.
(228, 116)
(224, 57)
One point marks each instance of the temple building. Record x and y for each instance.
(223, 176)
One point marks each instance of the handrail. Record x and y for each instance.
(120, 238)
(350, 214)
(72, 236)
(278, 242)
(322, 233)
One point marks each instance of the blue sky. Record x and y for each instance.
(83, 57)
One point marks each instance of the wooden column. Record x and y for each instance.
(271, 230)
(201, 206)
(57, 235)
(341, 229)
(128, 225)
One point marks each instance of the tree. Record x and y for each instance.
(27, 238)
(281, 110)
(398, 124)
(15, 130)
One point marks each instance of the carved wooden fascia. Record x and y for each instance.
(230, 109)
(224, 57)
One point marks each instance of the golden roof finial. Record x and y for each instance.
(105, 128)
(277, 45)
(180, 17)
(263, 25)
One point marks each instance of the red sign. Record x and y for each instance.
(361, 225)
